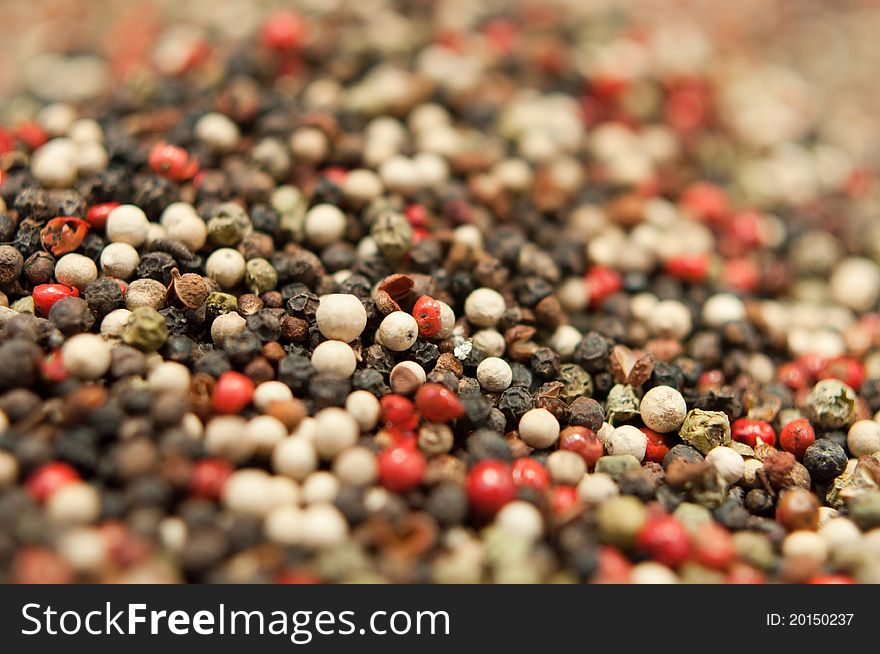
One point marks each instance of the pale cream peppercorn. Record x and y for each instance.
(855, 283)
(226, 325)
(264, 433)
(114, 322)
(494, 374)
(54, 164)
(75, 269)
(324, 526)
(8, 469)
(566, 467)
(284, 525)
(335, 430)
(182, 223)
(249, 492)
(224, 436)
(320, 486)
(398, 331)
(839, 532)
(364, 408)
(74, 503)
(484, 307)
(670, 319)
(627, 439)
(86, 356)
(447, 320)
(334, 357)
(145, 293)
(521, 519)
(723, 308)
(84, 548)
(309, 144)
(86, 130)
(728, 462)
(750, 472)
(170, 376)
(127, 224)
(863, 438)
(325, 224)
(119, 260)
(341, 317)
(295, 457)
(356, 466)
(406, 377)
(218, 132)
(539, 428)
(663, 409)
(435, 438)
(597, 487)
(807, 548)
(226, 266)
(490, 341)
(573, 294)
(361, 186)
(271, 391)
(565, 340)
(653, 573)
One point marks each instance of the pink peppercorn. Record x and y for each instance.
(847, 369)
(797, 436)
(283, 31)
(401, 468)
(713, 546)
(749, 431)
(232, 392)
(706, 201)
(426, 311)
(657, 445)
(438, 404)
(48, 478)
(208, 478)
(399, 411)
(46, 295)
(601, 282)
(584, 442)
(688, 267)
(665, 540)
(529, 473)
(97, 214)
(563, 499)
(613, 567)
(172, 162)
(490, 486)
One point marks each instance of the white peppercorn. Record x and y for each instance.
(223, 437)
(447, 320)
(597, 487)
(249, 492)
(218, 132)
(663, 409)
(264, 433)
(75, 269)
(145, 293)
(863, 438)
(855, 283)
(54, 164)
(170, 376)
(490, 341)
(566, 467)
(320, 486)
(295, 457)
(361, 186)
(323, 526)
(521, 519)
(723, 308)
(226, 325)
(284, 525)
(114, 322)
(539, 428)
(74, 503)
(325, 224)
(8, 469)
(271, 391)
(335, 430)
(670, 319)
(484, 307)
(565, 340)
(226, 266)
(119, 260)
(334, 357)
(86, 356)
(356, 466)
(627, 439)
(127, 224)
(341, 317)
(494, 374)
(406, 377)
(182, 223)
(364, 408)
(398, 331)
(728, 462)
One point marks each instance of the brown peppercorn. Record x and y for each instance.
(293, 328)
(11, 263)
(188, 290)
(249, 304)
(259, 370)
(798, 509)
(288, 412)
(273, 351)
(448, 361)
(549, 313)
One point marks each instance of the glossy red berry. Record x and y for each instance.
(831, 579)
(63, 235)
(740, 573)
(232, 392)
(46, 295)
(97, 214)
(438, 404)
(427, 314)
(665, 540)
(793, 375)
(399, 411)
(208, 478)
(52, 367)
(172, 162)
(713, 546)
(847, 369)
(31, 133)
(797, 436)
(490, 486)
(283, 31)
(417, 215)
(706, 201)
(688, 267)
(529, 473)
(613, 567)
(297, 577)
(401, 468)
(563, 499)
(601, 282)
(749, 431)
(657, 445)
(48, 478)
(584, 442)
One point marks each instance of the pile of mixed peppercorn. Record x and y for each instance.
(379, 297)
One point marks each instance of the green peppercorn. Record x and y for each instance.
(622, 404)
(292, 207)
(218, 304)
(393, 234)
(145, 329)
(616, 464)
(578, 382)
(260, 276)
(755, 549)
(831, 404)
(704, 430)
(228, 224)
(619, 520)
(864, 509)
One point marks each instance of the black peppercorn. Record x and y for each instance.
(79, 447)
(71, 315)
(592, 352)
(825, 460)
(213, 363)
(586, 412)
(514, 402)
(295, 370)
(156, 265)
(242, 347)
(327, 390)
(448, 504)
(103, 296)
(371, 380)
(681, 453)
(264, 325)
(20, 367)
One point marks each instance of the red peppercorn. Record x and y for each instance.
(31, 133)
(401, 468)
(417, 215)
(741, 275)
(63, 235)
(46, 295)
(97, 214)
(814, 364)
(793, 375)
(563, 499)
(601, 282)
(584, 442)
(232, 392)
(613, 567)
(172, 162)
(297, 577)
(53, 368)
(7, 141)
(749, 431)
(657, 445)
(283, 31)
(688, 267)
(39, 565)
(399, 411)
(208, 478)
(529, 473)
(706, 201)
(490, 486)
(48, 478)
(831, 579)
(665, 540)
(797, 436)
(438, 404)
(849, 370)
(714, 546)
(741, 573)
(426, 311)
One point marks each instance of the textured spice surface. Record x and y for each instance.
(439, 292)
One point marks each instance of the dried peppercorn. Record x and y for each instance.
(796, 437)
(748, 431)
(438, 404)
(490, 485)
(232, 392)
(401, 468)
